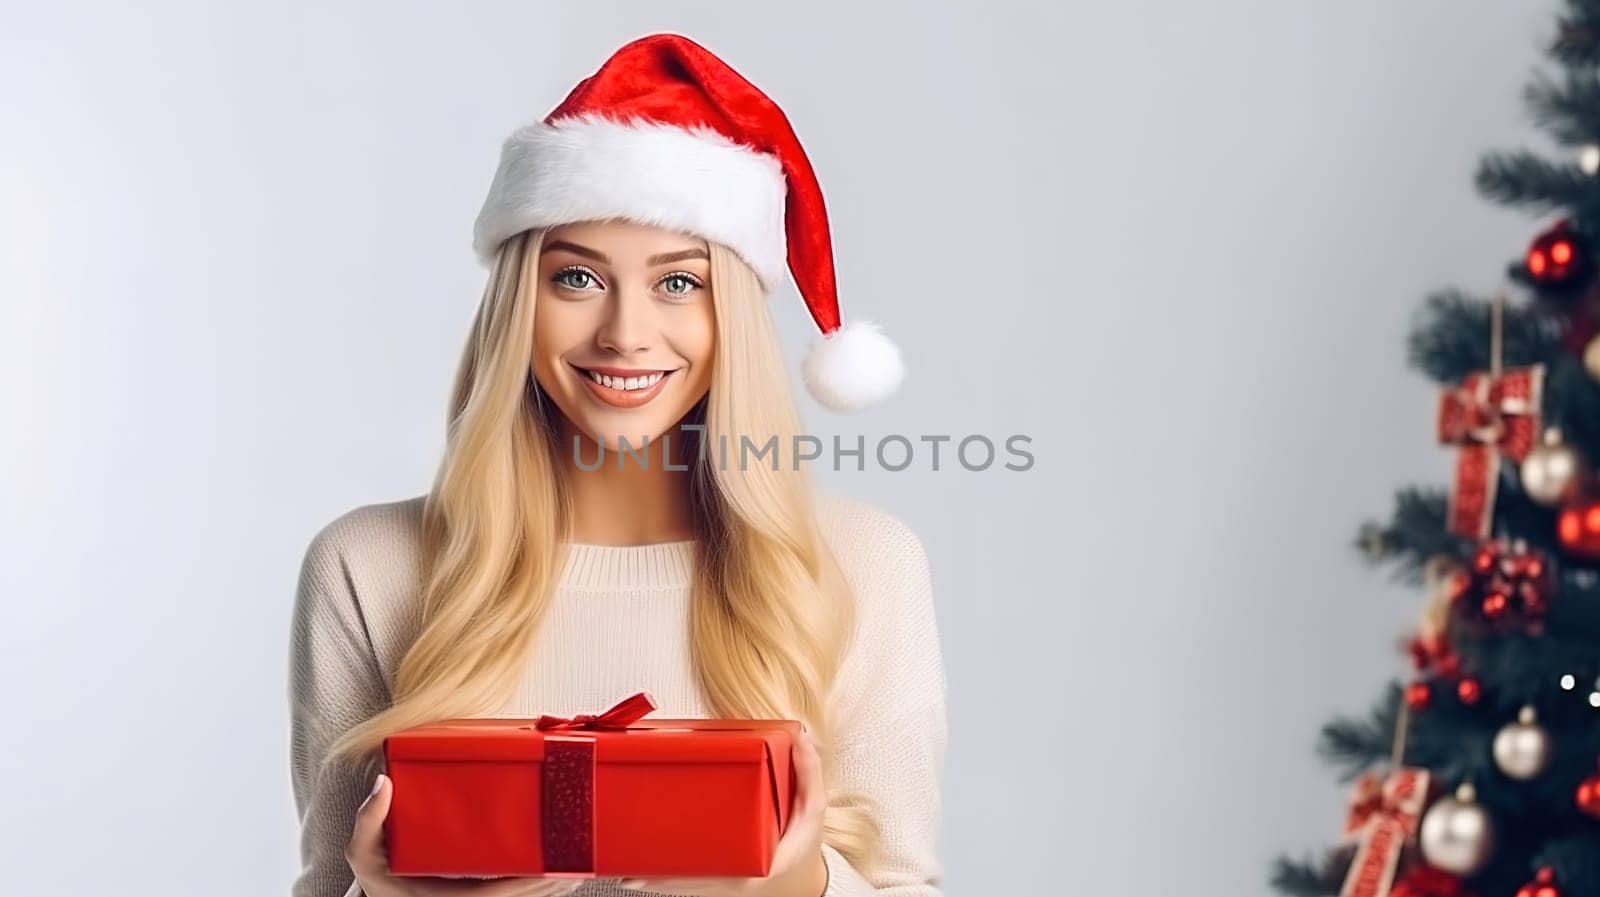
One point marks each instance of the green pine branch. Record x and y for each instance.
(1523, 179)
(1450, 336)
(1415, 534)
(1567, 110)
(1577, 40)
(1313, 877)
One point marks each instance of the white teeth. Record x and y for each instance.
(625, 383)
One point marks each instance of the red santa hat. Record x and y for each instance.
(667, 134)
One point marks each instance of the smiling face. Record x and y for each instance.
(624, 330)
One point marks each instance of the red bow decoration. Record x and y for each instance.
(1487, 415)
(620, 716)
(567, 782)
(1366, 798)
(1382, 817)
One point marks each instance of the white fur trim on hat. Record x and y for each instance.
(852, 367)
(588, 167)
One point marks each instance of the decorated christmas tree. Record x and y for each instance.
(1478, 773)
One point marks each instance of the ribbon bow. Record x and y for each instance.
(1488, 415)
(567, 783)
(1382, 817)
(1366, 799)
(625, 713)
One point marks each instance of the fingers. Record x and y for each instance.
(518, 887)
(809, 791)
(365, 852)
(687, 887)
(804, 832)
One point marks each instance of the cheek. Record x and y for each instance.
(696, 339)
(557, 327)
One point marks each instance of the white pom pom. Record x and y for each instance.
(853, 367)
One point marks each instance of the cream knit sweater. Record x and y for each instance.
(619, 624)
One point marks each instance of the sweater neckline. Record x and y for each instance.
(656, 566)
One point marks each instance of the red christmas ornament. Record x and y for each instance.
(1433, 653)
(1509, 583)
(1588, 796)
(1495, 605)
(1418, 695)
(1578, 527)
(1555, 258)
(1469, 690)
(1543, 885)
(1421, 657)
(1449, 666)
(1422, 880)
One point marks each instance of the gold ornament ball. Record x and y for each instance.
(1522, 748)
(1457, 835)
(1591, 358)
(1553, 471)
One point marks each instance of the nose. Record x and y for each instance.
(627, 328)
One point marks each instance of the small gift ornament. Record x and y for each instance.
(1492, 414)
(1366, 799)
(1488, 416)
(1384, 814)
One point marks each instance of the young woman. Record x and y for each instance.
(587, 538)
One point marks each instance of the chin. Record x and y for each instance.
(611, 428)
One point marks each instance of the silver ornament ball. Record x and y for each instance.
(1553, 471)
(1457, 835)
(1591, 358)
(1522, 748)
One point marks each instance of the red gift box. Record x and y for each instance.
(605, 794)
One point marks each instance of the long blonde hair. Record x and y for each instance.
(771, 612)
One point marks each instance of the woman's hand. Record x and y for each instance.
(798, 869)
(370, 861)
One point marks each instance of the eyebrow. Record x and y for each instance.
(597, 255)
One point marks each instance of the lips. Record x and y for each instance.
(624, 387)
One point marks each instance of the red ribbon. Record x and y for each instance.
(1366, 798)
(566, 782)
(624, 713)
(1383, 827)
(1487, 416)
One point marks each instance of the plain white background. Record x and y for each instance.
(1177, 244)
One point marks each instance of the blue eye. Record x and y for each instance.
(562, 275)
(690, 284)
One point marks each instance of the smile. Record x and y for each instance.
(624, 388)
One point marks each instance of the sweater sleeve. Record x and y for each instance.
(890, 747)
(334, 683)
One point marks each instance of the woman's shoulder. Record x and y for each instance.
(868, 539)
(371, 553)
(375, 533)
